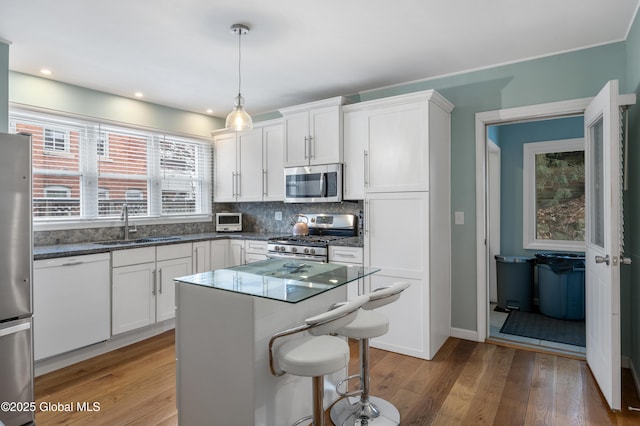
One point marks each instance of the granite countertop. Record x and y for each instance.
(78, 249)
(283, 280)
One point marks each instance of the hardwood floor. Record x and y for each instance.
(468, 383)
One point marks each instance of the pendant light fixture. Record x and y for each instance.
(239, 119)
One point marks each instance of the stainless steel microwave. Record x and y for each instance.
(313, 184)
(228, 222)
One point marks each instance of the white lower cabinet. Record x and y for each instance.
(70, 303)
(242, 252)
(142, 284)
(219, 254)
(236, 252)
(350, 256)
(201, 257)
(418, 251)
(255, 251)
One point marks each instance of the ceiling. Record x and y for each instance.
(182, 53)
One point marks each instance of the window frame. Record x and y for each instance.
(529, 219)
(90, 162)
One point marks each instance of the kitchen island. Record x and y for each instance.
(224, 320)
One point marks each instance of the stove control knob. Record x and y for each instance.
(313, 251)
(282, 248)
(276, 248)
(306, 251)
(293, 249)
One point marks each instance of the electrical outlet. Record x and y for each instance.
(278, 215)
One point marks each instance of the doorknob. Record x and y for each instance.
(600, 259)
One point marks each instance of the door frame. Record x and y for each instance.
(497, 117)
(483, 120)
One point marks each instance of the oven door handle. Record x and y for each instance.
(295, 256)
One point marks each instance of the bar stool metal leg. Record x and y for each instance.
(367, 410)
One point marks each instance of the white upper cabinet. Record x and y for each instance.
(388, 142)
(273, 162)
(248, 166)
(225, 167)
(313, 133)
(249, 172)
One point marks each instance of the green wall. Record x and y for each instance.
(631, 292)
(50, 94)
(511, 138)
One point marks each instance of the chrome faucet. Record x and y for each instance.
(124, 215)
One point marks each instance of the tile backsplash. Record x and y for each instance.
(260, 217)
(257, 217)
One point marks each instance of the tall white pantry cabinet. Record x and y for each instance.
(397, 158)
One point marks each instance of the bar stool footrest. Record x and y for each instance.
(343, 381)
(350, 411)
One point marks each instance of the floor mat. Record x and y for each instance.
(538, 326)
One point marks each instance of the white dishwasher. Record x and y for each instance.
(71, 303)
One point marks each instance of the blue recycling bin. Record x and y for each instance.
(561, 285)
(515, 282)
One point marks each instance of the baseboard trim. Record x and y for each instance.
(462, 333)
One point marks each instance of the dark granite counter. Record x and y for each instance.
(78, 249)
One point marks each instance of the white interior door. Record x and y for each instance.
(602, 278)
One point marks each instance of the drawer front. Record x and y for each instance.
(258, 247)
(174, 251)
(133, 256)
(345, 254)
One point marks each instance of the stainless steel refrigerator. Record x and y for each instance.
(16, 264)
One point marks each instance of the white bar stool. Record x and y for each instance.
(367, 410)
(315, 354)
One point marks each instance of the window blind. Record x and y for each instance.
(89, 170)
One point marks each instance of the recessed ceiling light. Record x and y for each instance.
(45, 71)
(139, 94)
(209, 111)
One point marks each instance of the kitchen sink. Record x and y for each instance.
(137, 241)
(117, 242)
(156, 239)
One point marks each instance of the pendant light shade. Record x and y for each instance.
(239, 119)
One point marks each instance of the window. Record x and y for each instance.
(57, 191)
(554, 195)
(102, 147)
(157, 175)
(55, 140)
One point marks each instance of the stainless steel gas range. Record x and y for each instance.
(323, 229)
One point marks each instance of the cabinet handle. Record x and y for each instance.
(365, 168)
(366, 217)
(345, 255)
(79, 262)
(239, 178)
(233, 184)
(306, 141)
(312, 150)
(153, 289)
(197, 260)
(160, 281)
(264, 183)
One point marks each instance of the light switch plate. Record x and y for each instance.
(278, 215)
(459, 218)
